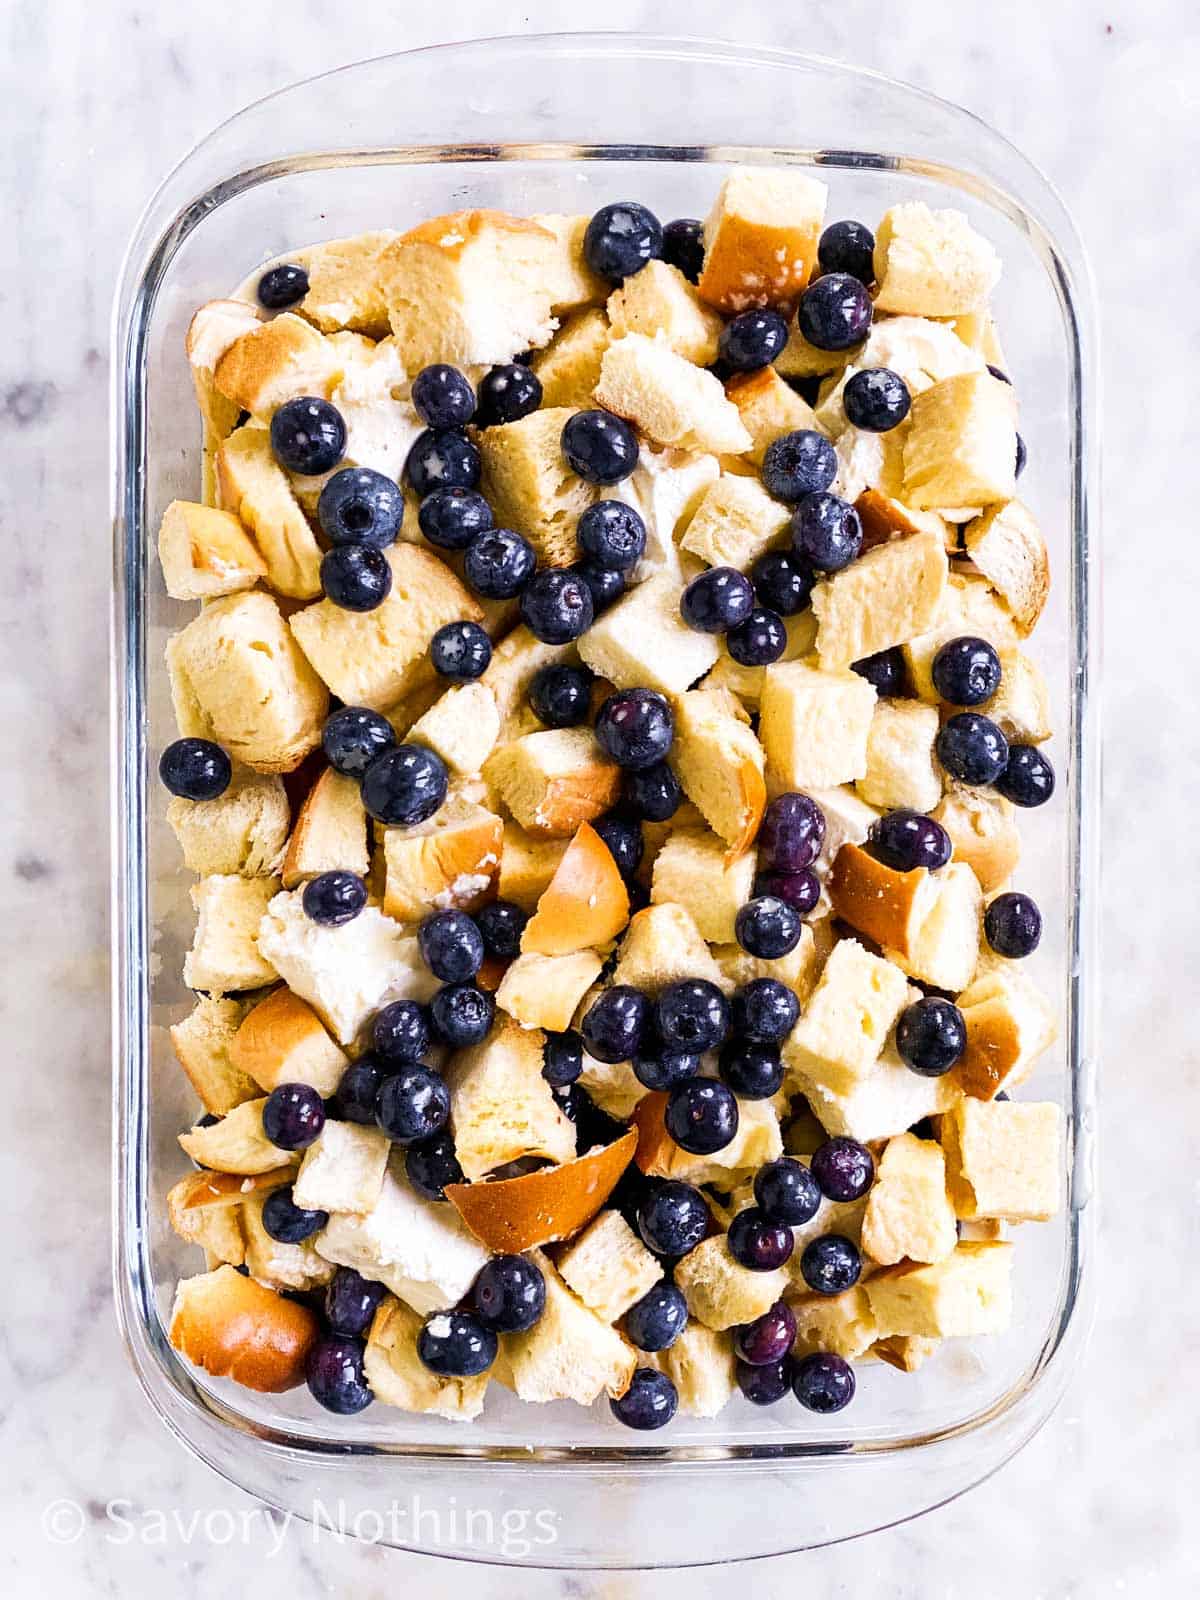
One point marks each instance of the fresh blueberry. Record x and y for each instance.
(281, 287)
(758, 1243)
(792, 833)
(931, 1036)
(413, 1104)
(508, 393)
(702, 1116)
(787, 1192)
(510, 1294)
(673, 1218)
(800, 890)
(683, 246)
(562, 1058)
(691, 1014)
(402, 1031)
(783, 582)
(1027, 778)
(972, 748)
(334, 898)
(293, 1116)
(717, 600)
(556, 606)
(601, 448)
(848, 247)
(1013, 925)
(650, 1401)
(308, 436)
(336, 1380)
(351, 1301)
(656, 1320)
(843, 1168)
(768, 928)
(361, 506)
(592, 1126)
(287, 1222)
(1022, 457)
(451, 946)
(826, 532)
(405, 785)
(356, 577)
(752, 1071)
(358, 1089)
(442, 459)
(612, 534)
(501, 925)
(195, 769)
(654, 793)
(353, 736)
(830, 1264)
(460, 651)
(442, 397)
(620, 239)
(455, 1344)
(768, 1339)
(758, 641)
(636, 727)
(498, 564)
(885, 670)
(765, 1011)
(604, 584)
(430, 1164)
(613, 1026)
(658, 1068)
(876, 399)
(752, 340)
(462, 1014)
(835, 312)
(452, 518)
(623, 836)
(997, 373)
(561, 696)
(797, 464)
(966, 671)
(763, 1386)
(823, 1382)
(905, 840)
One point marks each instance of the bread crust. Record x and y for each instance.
(235, 1328)
(876, 900)
(283, 1040)
(585, 904)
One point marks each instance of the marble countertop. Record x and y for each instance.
(1105, 99)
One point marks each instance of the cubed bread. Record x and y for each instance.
(799, 359)
(944, 948)
(887, 597)
(869, 461)
(909, 1216)
(330, 832)
(760, 238)
(206, 552)
(516, 661)
(669, 399)
(283, 1040)
(447, 863)
(527, 864)
(693, 870)
(720, 1292)
(212, 330)
(663, 945)
(372, 397)
(1009, 1024)
(1007, 546)
(214, 1228)
(570, 281)
(1003, 1159)
(961, 445)
(568, 369)
(501, 1108)
(983, 832)
(243, 830)
(964, 1295)
(848, 820)
(643, 642)
(814, 726)
(225, 955)
(470, 288)
(702, 1367)
(570, 1353)
(720, 764)
(274, 361)
(203, 1043)
(554, 780)
(543, 991)
(398, 1376)
(848, 1018)
(257, 492)
(905, 1352)
(235, 1328)
(665, 488)
(884, 1100)
(769, 408)
(932, 263)
(1021, 705)
(798, 969)
(659, 302)
(608, 1266)
(241, 680)
(237, 1143)
(374, 658)
(529, 485)
(756, 1142)
(901, 774)
(747, 682)
(736, 522)
(345, 289)
(462, 726)
(342, 1169)
(611, 1085)
(586, 903)
(843, 1324)
(918, 350)
(969, 606)
(884, 519)
(274, 1263)
(887, 906)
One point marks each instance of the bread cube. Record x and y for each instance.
(883, 1101)
(570, 1353)
(760, 238)
(612, 1085)
(905, 1352)
(543, 991)
(330, 833)
(747, 682)
(243, 830)
(372, 396)
(663, 945)
(203, 1043)
(206, 552)
(736, 522)
(919, 351)
(568, 369)
(237, 1143)
(571, 282)
(768, 408)
(1003, 1159)
(1007, 546)
(257, 492)
(343, 1169)
(274, 361)
(283, 1040)
(869, 461)
(669, 399)
(932, 263)
(909, 1215)
(720, 764)
(720, 1292)
(756, 1142)
(462, 726)
(345, 287)
(964, 1295)
(961, 445)
(848, 1018)
(814, 725)
(799, 359)
(586, 903)
(211, 331)
(530, 486)
(643, 642)
(843, 1324)
(901, 774)
(884, 519)
(702, 1367)
(944, 948)
(501, 1108)
(225, 954)
(197, 1219)
(277, 1265)
(968, 606)
(398, 1376)
(527, 864)
(665, 489)
(887, 597)
(447, 863)
(693, 870)
(983, 832)
(848, 820)
(887, 906)
(1009, 1025)
(608, 1266)
(555, 780)
(1021, 705)
(798, 969)
(659, 302)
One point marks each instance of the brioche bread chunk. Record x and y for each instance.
(883, 1101)
(342, 1169)
(330, 832)
(888, 596)
(901, 773)
(969, 606)
(736, 522)
(211, 331)
(551, 1203)
(659, 302)
(814, 726)
(964, 1295)
(662, 946)
(919, 351)
(1021, 705)
(869, 462)
(398, 1376)
(345, 289)
(932, 263)
(216, 1229)
(586, 903)
(905, 1352)
(555, 780)
(274, 361)
(983, 832)
(848, 820)
(203, 1043)
(768, 408)
(1003, 1159)
(756, 1142)
(225, 955)
(543, 991)
(447, 863)
(237, 1143)
(843, 1324)
(529, 485)
(943, 950)
(665, 488)
(257, 492)
(720, 1292)
(571, 282)
(283, 1040)
(702, 1366)
(275, 1264)
(235, 1328)
(720, 764)
(1010, 1024)
(1007, 546)
(888, 906)
(642, 642)
(669, 399)
(372, 397)
(884, 519)
(240, 679)
(527, 864)
(760, 238)
(909, 1215)
(608, 1266)
(611, 1085)
(242, 831)
(960, 448)
(799, 359)
(568, 368)
(570, 1353)
(205, 552)
(693, 870)
(501, 1108)
(848, 1018)
(462, 726)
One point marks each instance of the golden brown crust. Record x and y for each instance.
(585, 904)
(455, 230)
(235, 1328)
(283, 1040)
(884, 519)
(875, 899)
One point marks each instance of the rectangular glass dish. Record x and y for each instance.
(381, 144)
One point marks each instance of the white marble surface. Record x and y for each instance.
(98, 102)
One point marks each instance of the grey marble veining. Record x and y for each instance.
(98, 102)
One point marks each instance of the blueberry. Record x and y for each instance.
(848, 247)
(358, 1089)
(413, 1104)
(620, 239)
(752, 340)
(612, 534)
(691, 1014)
(904, 840)
(787, 1192)
(498, 564)
(768, 928)
(783, 582)
(442, 397)
(717, 600)
(351, 1301)
(308, 436)
(843, 1168)
(966, 671)
(835, 312)
(282, 286)
(763, 1386)
(336, 1380)
(931, 1036)
(1022, 457)
(753, 1071)
(510, 1294)
(830, 1264)
(791, 834)
(356, 577)
(462, 1014)
(287, 1222)
(759, 640)
(683, 246)
(592, 1126)
(758, 1243)
(636, 727)
(656, 1320)
(826, 532)
(823, 1382)
(334, 898)
(430, 1164)
(972, 748)
(452, 518)
(800, 890)
(876, 399)
(702, 1116)
(405, 785)
(501, 925)
(1027, 778)
(195, 769)
(353, 736)
(623, 837)
(451, 946)
(765, 1011)
(601, 448)
(1013, 925)
(885, 670)
(604, 584)
(460, 651)
(455, 1344)
(613, 1026)
(659, 1068)
(562, 1058)
(768, 1339)
(654, 792)
(561, 696)
(508, 393)
(293, 1116)
(557, 606)
(402, 1031)
(361, 506)
(997, 373)
(797, 464)
(442, 459)
(673, 1218)
(650, 1401)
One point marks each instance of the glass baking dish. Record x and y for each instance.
(564, 123)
